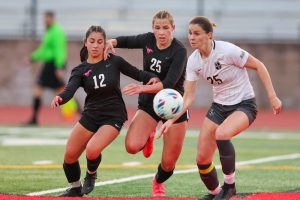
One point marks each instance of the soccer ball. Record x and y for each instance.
(167, 103)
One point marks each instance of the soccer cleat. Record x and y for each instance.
(158, 189)
(226, 193)
(72, 192)
(207, 197)
(89, 183)
(148, 149)
(32, 122)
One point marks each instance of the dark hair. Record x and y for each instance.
(84, 51)
(204, 23)
(163, 14)
(49, 13)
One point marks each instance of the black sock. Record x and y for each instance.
(226, 185)
(72, 171)
(208, 175)
(36, 105)
(92, 165)
(161, 175)
(227, 156)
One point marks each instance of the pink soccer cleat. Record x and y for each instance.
(158, 189)
(148, 149)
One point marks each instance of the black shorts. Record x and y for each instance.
(48, 78)
(150, 111)
(218, 112)
(93, 126)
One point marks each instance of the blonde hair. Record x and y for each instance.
(163, 14)
(204, 23)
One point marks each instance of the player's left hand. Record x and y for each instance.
(132, 89)
(164, 128)
(55, 102)
(60, 74)
(276, 105)
(153, 81)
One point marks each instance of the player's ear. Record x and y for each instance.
(210, 35)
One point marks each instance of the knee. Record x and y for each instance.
(70, 157)
(132, 147)
(222, 134)
(92, 153)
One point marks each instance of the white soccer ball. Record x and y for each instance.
(167, 103)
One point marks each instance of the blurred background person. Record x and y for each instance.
(53, 53)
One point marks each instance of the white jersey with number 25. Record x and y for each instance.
(224, 69)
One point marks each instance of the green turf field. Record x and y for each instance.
(31, 158)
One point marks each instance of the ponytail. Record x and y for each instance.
(83, 54)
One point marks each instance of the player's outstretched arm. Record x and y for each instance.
(254, 63)
(188, 99)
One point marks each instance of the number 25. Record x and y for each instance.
(155, 66)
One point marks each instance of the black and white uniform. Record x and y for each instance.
(168, 64)
(224, 69)
(101, 81)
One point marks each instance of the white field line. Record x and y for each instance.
(133, 178)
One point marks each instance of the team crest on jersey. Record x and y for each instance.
(149, 50)
(218, 65)
(86, 74)
(242, 54)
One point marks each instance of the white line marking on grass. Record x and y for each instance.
(42, 162)
(133, 178)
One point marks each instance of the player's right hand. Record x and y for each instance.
(165, 127)
(26, 60)
(109, 47)
(55, 102)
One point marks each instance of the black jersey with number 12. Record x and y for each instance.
(101, 82)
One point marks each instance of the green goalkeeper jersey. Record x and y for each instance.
(53, 47)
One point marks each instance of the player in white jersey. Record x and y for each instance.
(233, 109)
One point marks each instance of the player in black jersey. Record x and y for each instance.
(104, 111)
(165, 56)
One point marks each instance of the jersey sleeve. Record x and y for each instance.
(132, 42)
(177, 67)
(133, 72)
(59, 48)
(237, 56)
(74, 83)
(40, 54)
(191, 74)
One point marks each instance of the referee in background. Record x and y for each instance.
(53, 53)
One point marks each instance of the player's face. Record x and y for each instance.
(95, 45)
(163, 31)
(198, 38)
(48, 21)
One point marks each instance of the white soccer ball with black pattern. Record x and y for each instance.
(167, 103)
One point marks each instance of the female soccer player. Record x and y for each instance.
(104, 111)
(233, 109)
(165, 56)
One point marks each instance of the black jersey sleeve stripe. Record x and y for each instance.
(74, 83)
(133, 72)
(177, 67)
(132, 42)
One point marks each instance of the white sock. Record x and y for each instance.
(229, 179)
(216, 191)
(75, 184)
(90, 172)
